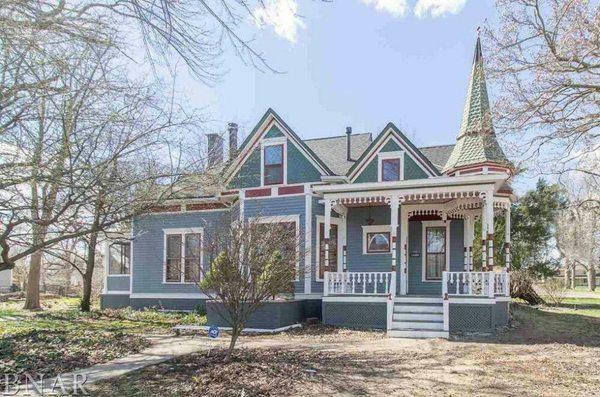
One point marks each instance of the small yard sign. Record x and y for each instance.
(213, 332)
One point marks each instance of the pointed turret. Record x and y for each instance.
(476, 146)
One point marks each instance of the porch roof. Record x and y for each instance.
(435, 184)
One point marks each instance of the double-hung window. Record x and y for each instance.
(183, 255)
(273, 159)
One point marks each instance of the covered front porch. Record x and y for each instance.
(412, 239)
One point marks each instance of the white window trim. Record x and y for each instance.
(182, 232)
(282, 140)
(340, 224)
(389, 156)
(424, 226)
(375, 229)
(285, 219)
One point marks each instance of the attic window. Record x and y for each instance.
(390, 170)
(391, 166)
(273, 165)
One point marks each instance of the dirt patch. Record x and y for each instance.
(544, 355)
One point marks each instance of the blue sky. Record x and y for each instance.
(352, 64)
(359, 63)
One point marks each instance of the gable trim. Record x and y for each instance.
(391, 132)
(267, 121)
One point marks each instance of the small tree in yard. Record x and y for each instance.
(252, 262)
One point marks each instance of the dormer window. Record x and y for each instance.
(273, 162)
(391, 166)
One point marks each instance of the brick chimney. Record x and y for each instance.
(233, 140)
(215, 150)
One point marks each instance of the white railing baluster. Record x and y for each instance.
(358, 283)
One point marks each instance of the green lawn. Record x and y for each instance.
(61, 338)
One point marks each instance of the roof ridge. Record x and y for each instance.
(429, 147)
(336, 136)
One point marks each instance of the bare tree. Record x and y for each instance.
(545, 56)
(251, 262)
(578, 233)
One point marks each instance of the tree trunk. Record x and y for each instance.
(591, 278)
(567, 279)
(32, 299)
(235, 333)
(573, 272)
(86, 299)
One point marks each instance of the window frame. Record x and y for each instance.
(340, 251)
(265, 143)
(108, 273)
(383, 156)
(182, 232)
(376, 229)
(424, 226)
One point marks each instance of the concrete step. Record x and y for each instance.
(429, 325)
(417, 316)
(418, 308)
(417, 333)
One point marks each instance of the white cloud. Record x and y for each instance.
(282, 16)
(438, 8)
(396, 8)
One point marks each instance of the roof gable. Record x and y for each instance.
(272, 126)
(392, 139)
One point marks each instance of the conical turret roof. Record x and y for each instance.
(476, 142)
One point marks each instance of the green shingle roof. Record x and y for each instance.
(476, 142)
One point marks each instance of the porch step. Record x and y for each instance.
(408, 299)
(418, 316)
(421, 308)
(428, 325)
(417, 333)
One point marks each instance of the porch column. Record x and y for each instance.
(327, 231)
(468, 242)
(507, 238)
(484, 223)
(489, 206)
(403, 250)
(394, 204)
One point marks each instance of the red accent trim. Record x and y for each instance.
(166, 208)
(204, 206)
(229, 192)
(290, 190)
(492, 166)
(505, 191)
(264, 192)
(425, 218)
(393, 241)
(471, 171)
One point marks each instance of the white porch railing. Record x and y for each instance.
(359, 283)
(502, 284)
(480, 284)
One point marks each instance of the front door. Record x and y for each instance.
(333, 250)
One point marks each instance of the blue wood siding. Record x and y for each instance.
(415, 264)
(148, 247)
(117, 283)
(357, 261)
(279, 206)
